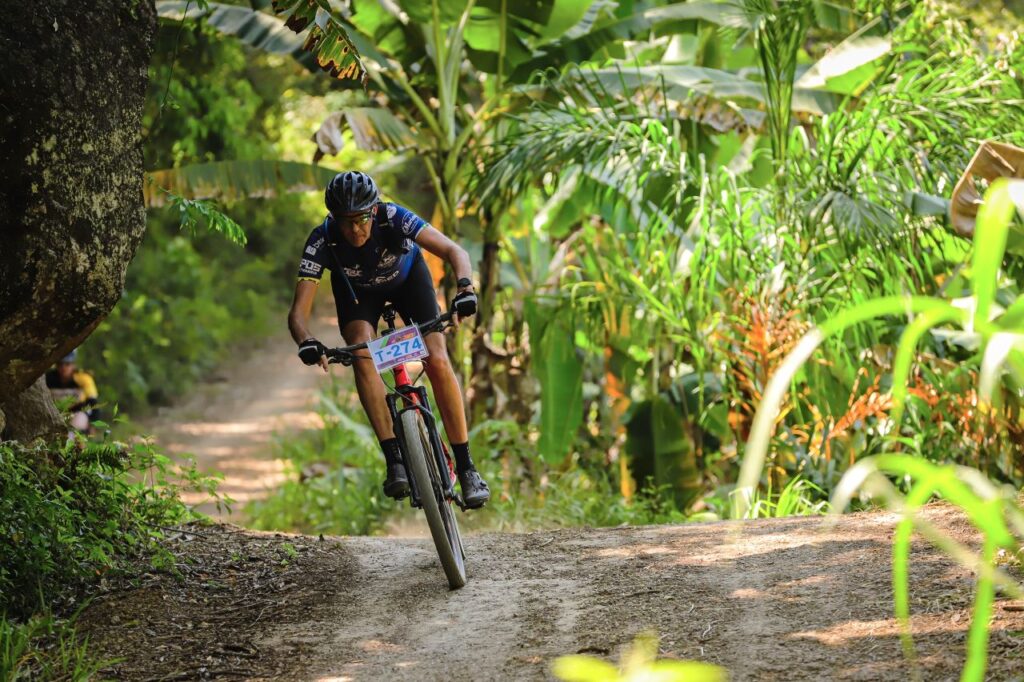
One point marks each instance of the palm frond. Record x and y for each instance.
(231, 180)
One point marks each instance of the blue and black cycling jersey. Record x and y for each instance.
(381, 264)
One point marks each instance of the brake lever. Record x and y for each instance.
(344, 359)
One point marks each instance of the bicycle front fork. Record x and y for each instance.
(415, 398)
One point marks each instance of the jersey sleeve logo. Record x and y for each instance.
(309, 267)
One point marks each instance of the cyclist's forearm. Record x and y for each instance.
(302, 308)
(459, 261)
(297, 326)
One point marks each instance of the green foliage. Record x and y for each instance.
(44, 648)
(800, 497)
(70, 514)
(581, 491)
(687, 255)
(560, 371)
(197, 106)
(564, 499)
(334, 477)
(252, 27)
(990, 245)
(661, 448)
(780, 28)
(993, 512)
(194, 211)
(186, 302)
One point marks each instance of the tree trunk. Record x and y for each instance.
(71, 211)
(32, 416)
(481, 386)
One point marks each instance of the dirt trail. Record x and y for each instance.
(791, 599)
(227, 423)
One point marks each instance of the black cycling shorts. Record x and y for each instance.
(414, 299)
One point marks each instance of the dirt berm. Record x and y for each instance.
(790, 599)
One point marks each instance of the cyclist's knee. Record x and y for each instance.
(438, 359)
(438, 364)
(357, 331)
(436, 345)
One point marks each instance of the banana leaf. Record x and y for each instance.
(373, 128)
(661, 451)
(527, 24)
(231, 180)
(253, 28)
(579, 48)
(559, 369)
(848, 67)
(326, 37)
(680, 81)
(660, 435)
(263, 32)
(832, 16)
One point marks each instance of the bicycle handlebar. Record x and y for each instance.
(346, 355)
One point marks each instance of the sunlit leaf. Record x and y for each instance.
(326, 38)
(994, 218)
(684, 671)
(847, 67)
(583, 669)
(579, 48)
(192, 212)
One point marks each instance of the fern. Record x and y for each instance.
(193, 211)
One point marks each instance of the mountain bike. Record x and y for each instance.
(428, 463)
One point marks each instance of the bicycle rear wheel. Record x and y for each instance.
(444, 529)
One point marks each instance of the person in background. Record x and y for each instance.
(67, 381)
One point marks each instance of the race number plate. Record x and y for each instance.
(401, 346)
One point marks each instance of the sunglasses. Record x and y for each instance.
(358, 219)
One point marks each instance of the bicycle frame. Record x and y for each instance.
(415, 398)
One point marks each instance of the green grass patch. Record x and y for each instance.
(45, 648)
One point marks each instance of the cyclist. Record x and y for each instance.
(373, 250)
(66, 381)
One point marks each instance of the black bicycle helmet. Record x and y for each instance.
(351, 191)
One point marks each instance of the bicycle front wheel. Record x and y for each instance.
(444, 529)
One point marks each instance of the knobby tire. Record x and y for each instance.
(443, 527)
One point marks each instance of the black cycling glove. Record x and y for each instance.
(310, 351)
(464, 303)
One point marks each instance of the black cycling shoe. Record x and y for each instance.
(475, 492)
(396, 485)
